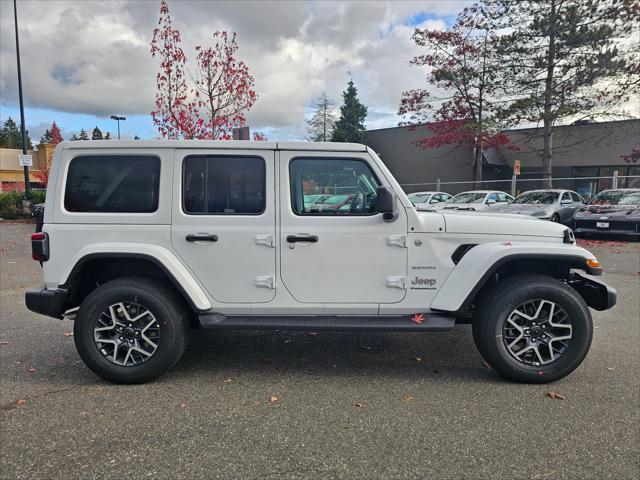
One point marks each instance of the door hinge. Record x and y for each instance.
(266, 240)
(397, 240)
(397, 282)
(266, 281)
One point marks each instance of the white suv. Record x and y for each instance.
(143, 240)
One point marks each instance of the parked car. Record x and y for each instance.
(428, 199)
(311, 199)
(143, 240)
(552, 204)
(476, 200)
(614, 212)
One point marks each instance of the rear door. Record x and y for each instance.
(342, 252)
(224, 222)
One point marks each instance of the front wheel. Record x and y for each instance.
(130, 330)
(533, 328)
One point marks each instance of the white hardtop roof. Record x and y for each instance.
(216, 144)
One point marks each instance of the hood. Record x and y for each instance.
(461, 206)
(457, 221)
(609, 210)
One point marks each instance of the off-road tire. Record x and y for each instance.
(160, 300)
(502, 299)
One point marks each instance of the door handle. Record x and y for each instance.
(302, 238)
(202, 237)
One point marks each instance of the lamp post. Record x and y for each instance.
(27, 184)
(117, 118)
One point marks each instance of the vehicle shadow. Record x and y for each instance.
(450, 355)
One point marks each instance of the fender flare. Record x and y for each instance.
(482, 261)
(179, 275)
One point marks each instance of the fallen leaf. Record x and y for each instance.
(486, 365)
(273, 399)
(611, 369)
(68, 334)
(555, 395)
(21, 401)
(407, 398)
(183, 405)
(32, 370)
(418, 359)
(227, 380)
(4, 343)
(83, 414)
(361, 405)
(256, 402)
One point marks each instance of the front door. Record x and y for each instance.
(334, 247)
(224, 222)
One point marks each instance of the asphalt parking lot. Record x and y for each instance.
(282, 405)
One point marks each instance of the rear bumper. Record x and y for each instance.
(46, 302)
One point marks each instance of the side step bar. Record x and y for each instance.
(432, 322)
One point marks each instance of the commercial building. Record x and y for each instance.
(582, 153)
(12, 173)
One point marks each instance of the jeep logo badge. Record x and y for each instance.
(429, 282)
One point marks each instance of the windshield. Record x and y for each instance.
(538, 198)
(468, 197)
(417, 197)
(616, 197)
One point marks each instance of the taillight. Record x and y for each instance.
(40, 246)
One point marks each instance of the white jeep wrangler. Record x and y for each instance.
(143, 240)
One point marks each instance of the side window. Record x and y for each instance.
(221, 185)
(575, 197)
(346, 187)
(502, 197)
(113, 184)
(435, 198)
(493, 197)
(445, 197)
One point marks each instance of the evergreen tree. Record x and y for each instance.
(350, 126)
(96, 134)
(74, 138)
(561, 60)
(107, 136)
(10, 136)
(83, 135)
(46, 138)
(320, 126)
(136, 137)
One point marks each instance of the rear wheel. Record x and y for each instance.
(533, 328)
(130, 330)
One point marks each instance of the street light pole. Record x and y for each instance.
(27, 184)
(117, 118)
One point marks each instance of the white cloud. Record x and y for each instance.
(93, 57)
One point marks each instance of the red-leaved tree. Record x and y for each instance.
(56, 135)
(221, 89)
(259, 137)
(464, 72)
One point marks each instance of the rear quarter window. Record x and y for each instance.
(113, 184)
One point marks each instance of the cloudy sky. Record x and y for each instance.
(83, 61)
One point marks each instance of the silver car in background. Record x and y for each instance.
(556, 205)
(427, 199)
(481, 200)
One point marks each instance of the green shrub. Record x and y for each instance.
(11, 205)
(37, 196)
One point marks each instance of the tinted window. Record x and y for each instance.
(575, 197)
(117, 184)
(493, 197)
(348, 187)
(503, 197)
(537, 198)
(468, 197)
(223, 185)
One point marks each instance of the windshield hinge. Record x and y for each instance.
(397, 241)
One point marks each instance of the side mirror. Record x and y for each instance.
(490, 202)
(386, 204)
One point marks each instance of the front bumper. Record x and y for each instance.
(598, 295)
(601, 231)
(47, 302)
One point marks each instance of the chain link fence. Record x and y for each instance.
(587, 187)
